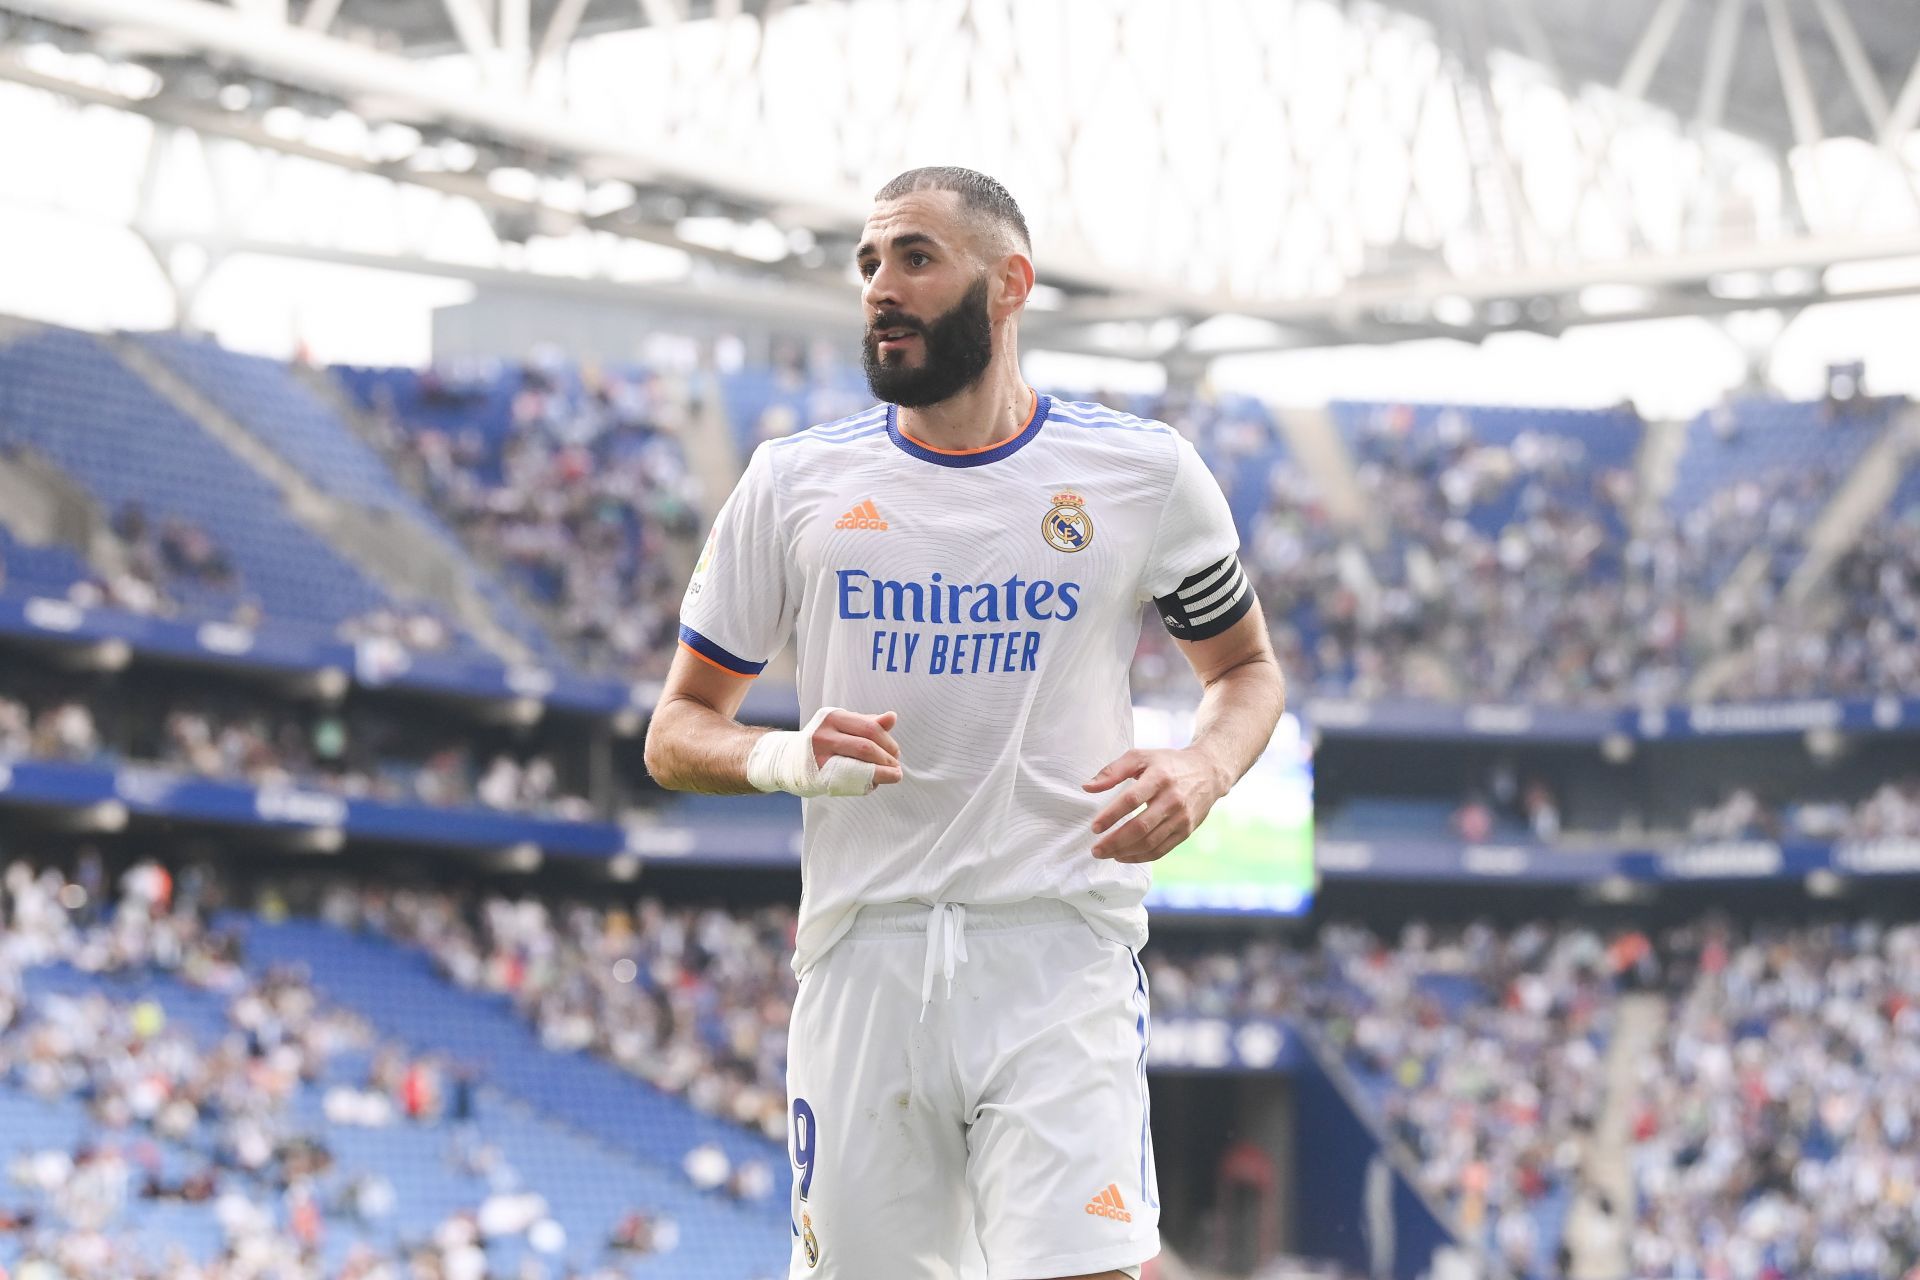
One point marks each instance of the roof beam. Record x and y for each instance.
(663, 13)
(468, 186)
(356, 73)
(319, 15)
(508, 114)
(1654, 41)
(1801, 108)
(1723, 42)
(1905, 113)
(560, 31)
(1854, 61)
(704, 298)
(470, 24)
(516, 33)
(1895, 128)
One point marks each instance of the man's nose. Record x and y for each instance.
(881, 290)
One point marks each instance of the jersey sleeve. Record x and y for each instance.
(739, 606)
(1193, 573)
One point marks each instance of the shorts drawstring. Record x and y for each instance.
(947, 925)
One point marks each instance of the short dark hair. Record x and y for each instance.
(981, 196)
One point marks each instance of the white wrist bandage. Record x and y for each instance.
(783, 761)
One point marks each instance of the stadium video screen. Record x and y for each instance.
(1254, 853)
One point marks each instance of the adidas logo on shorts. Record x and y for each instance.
(1108, 1204)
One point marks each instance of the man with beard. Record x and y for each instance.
(973, 557)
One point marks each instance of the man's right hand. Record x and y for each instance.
(859, 737)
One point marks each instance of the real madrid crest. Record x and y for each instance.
(806, 1238)
(1067, 527)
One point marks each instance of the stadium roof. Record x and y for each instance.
(1588, 42)
(1598, 43)
(429, 26)
(1328, 173)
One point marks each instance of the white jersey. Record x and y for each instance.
(993, 599)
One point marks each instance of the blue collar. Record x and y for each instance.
(975, 458)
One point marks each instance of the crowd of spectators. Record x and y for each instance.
(415, 628)
(1773, 1130)
(159, 568)
(695, 1002)
(1433, 597)
(1862, 641)
(1739, 815)
(1483, 1049)
(1773, 1127)
(62, 730)
(580, 501)
(172, 1118)
(1523, 571)
(168, 566)
(1890, 812)
(1551, 603)
(1508, 802)
(1774, 1133)
(1518, 569)
(1505, 807)
(360, 753)
(171, 549)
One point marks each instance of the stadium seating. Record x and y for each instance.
(1608, 436)
(1592, 441)
(66, 395)
(589, 1178)
(1747, 439)
(763, 401)
(40, 571)
(1379, 816)
(398, 992)
(1479, 1051)
(1904, 505)
(571, 481)
(478, 400)
(1507, 564)
(265, 396)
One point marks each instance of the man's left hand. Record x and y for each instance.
(1178, 787)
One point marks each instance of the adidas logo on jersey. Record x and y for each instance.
(1108, 1204)
(864, 516)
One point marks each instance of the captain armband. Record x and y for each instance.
(1208, 602)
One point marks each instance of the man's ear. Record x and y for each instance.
(1016, 283)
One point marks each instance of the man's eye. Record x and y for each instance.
(918, 259)
(866, 271)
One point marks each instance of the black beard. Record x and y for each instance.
(959, 347)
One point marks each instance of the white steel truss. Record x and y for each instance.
(1340, 173)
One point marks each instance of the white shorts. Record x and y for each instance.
(998, 1128)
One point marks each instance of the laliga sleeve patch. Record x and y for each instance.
(1208, 602)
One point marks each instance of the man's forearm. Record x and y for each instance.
(1237, 714)
(692, 747)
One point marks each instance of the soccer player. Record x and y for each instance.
(965, 565)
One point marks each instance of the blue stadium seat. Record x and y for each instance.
(580, 1156)
(39, 571)
(66, 395)
(597, 1106)
(269, 400)
(1749, 438)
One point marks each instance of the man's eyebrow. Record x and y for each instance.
(901, 241)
